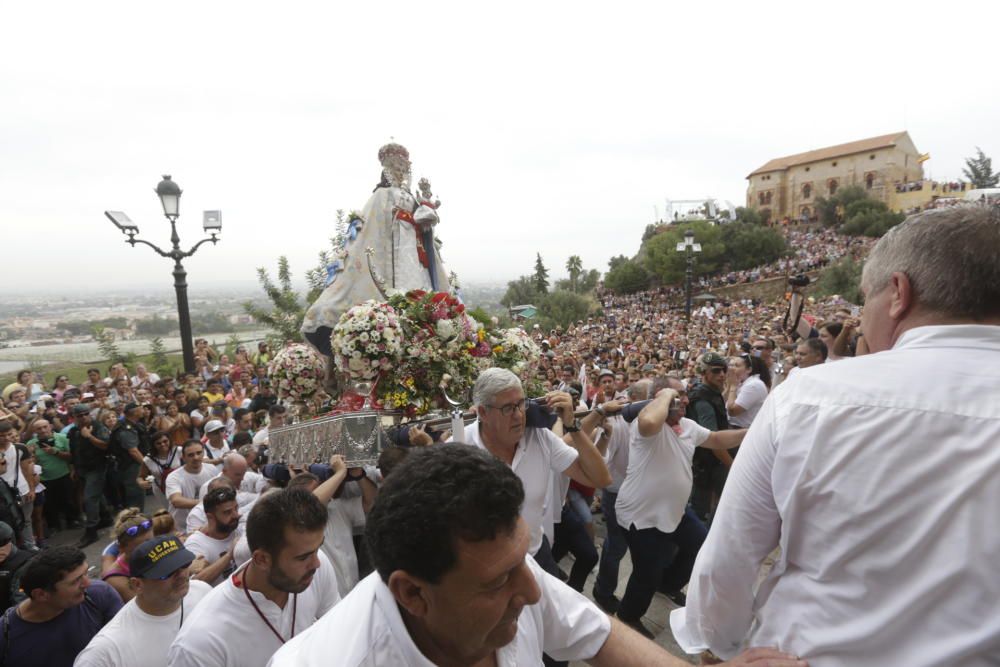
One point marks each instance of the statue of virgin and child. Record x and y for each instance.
(398, 227)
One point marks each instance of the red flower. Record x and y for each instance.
(416, 294)
(439, 297)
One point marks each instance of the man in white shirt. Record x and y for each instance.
(284, 588)
(183, 486)
(214, 541)
(533, 453)
(878, 478)
(142, 631)
(652, 503)
(197, 518)
(215, 442)
(275, 419)
(454, 584)
(615, 547)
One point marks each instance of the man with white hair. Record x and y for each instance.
(533, 453)
(879, 479)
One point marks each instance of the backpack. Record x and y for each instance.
(11, 508)
(10, 577)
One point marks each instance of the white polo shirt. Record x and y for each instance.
(539, 453)
(658, 483)
(188, 485)
(134, 637)
(617, 453)
(226, 631)
(367, 629)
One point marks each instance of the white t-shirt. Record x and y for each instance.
(226, 630)
(156, 468)
(133, 637)
(366, 629)
(188, 485)
(658, 483)
(196, 518)
(538, 454)
(252, 483)
(216, 454)
(201, 544)
(14, 473)
(338, 536)
(617, 453)
(750, 397)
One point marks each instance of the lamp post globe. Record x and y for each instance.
(170, 196)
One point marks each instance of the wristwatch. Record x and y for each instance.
(600, 410)
(572, 428)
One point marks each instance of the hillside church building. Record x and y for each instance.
(787, 187)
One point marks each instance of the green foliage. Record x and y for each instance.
(979, 171)
(561, 308)
(750, 245)
(158, 354)
(574, 266)
(873, 221)
(232, 343)
(481, 316)
(286, 315)
(541, 275)
(106, 344)
(749, 216)
(649, 232)
(843, 278)
(830, 210)
(156, 326)
(627, 277)
(588, 281)
(666, 263)
(519, 292)
(614, 262)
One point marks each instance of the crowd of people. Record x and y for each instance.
(749, 432)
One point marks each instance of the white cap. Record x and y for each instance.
(214, 425)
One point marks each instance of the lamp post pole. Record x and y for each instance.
(170, 194)
(689, 247)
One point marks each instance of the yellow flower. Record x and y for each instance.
(481, 335)
(498, 349)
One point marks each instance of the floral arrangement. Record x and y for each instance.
(412, 347)
(296, 373)
(514, 350)
(367, 341)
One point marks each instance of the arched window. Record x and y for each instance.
(760, 198)
(767, 197)
(869, 181)
(831, 185)
(807, 191)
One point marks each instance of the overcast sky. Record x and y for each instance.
(543, 126)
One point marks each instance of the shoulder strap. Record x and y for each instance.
(6, 635)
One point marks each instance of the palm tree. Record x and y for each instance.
(575, 267)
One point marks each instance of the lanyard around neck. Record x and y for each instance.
(295, 599)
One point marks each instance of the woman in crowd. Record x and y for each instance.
(174, 423)
(132, 528)
(746, 388)
(163, 458)
(60, 388)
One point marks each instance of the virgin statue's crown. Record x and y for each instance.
(392, 149)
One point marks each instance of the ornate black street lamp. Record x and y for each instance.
(689, 247)
(170, 197)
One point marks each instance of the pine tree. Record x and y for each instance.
(158, 351)
(979, 171)
(106, 344)
(285, 318)
(541, 277)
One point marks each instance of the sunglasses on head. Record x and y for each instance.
(132, 531)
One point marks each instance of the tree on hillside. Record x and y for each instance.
(106, 344)
(665, 262)
(748, 216)
(843, 278)
(616, 261)
(831, 209)
(979, 171)
(541, 275)
(574, 266)
(748, 245)
(520, 292)
(562, 308)
(286, 315)
(627, 277)
(869, 217)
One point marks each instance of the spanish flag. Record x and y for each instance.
(924, 158)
